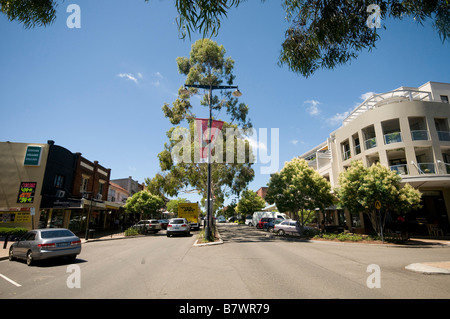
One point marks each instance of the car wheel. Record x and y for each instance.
(270, 229)
(29, 258)
(168, 235)
(281, 232)
(10, 255)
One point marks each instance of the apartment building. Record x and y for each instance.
(407, 130)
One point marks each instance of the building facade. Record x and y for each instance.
(407, 130)
(22, 170)
(46, 185)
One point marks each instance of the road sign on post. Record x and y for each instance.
(378, 208)
(377, 205)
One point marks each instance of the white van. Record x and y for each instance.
(258, 215)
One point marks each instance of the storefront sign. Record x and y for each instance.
(15, 217)
(33, 156)
(26, 192)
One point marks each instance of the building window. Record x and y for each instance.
(101, 187)
(84, 184)
(58, 182)
(444, 98)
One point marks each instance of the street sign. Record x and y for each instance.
(377, 204)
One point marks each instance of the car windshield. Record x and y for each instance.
(177, 221)
(56, 233)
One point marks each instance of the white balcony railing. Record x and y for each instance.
(395, 96)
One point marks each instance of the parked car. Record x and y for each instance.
(164, 223)
(148, 226)
(248, 220)
(263, 221)
(45, 243)
(221, 219)
(290, 227)
(270, 225)
(178, 226)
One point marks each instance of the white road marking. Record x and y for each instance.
(11, 281)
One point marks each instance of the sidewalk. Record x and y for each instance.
(442, 267)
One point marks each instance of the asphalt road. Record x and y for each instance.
(248, 265)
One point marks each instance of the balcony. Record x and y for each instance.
(444, 136)
(427, 168)
(401, 169)
(370, 143)
(357, 149)
(395, 137)
(419, 135)
(346, 155)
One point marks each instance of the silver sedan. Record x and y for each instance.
(45, 243)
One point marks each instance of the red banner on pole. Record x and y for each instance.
(204, 137)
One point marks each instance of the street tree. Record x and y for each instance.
(249, 203)
(145, 204)
(299, 189)
(321, 34)
(172, 205)
(231, 169)
(361, 187)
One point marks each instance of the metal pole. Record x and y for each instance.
(208, 206)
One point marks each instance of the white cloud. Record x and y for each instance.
(128, 76)
(156, 83)
(256, 145)
(338, 118)
(159, 75)
(313, 108)
(366, 95)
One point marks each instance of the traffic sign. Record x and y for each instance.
(377, 204)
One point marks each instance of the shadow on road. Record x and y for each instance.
(243, 234)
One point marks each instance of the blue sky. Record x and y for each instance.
(99, 89)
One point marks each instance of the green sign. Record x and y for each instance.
(33, 156)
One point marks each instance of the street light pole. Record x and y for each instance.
(210, 88)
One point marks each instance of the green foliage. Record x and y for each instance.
(249, 203)
(131, 231)
(31, 13)
(172, 205)
(180, 167)
(10, 231)
(144, 202)
(360, 187)
(298, 188)
(344, 237)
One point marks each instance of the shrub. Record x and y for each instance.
(9, 231)
(131, 232)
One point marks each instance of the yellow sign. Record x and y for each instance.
(15, 217)
(377, 204)
(189, 211)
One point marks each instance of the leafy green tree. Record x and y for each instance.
(229, 210)
(299, 189)
(180, 169)
(172, 205)
(325, 34)
(145, 204)
(360, 187)
(249, 203)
